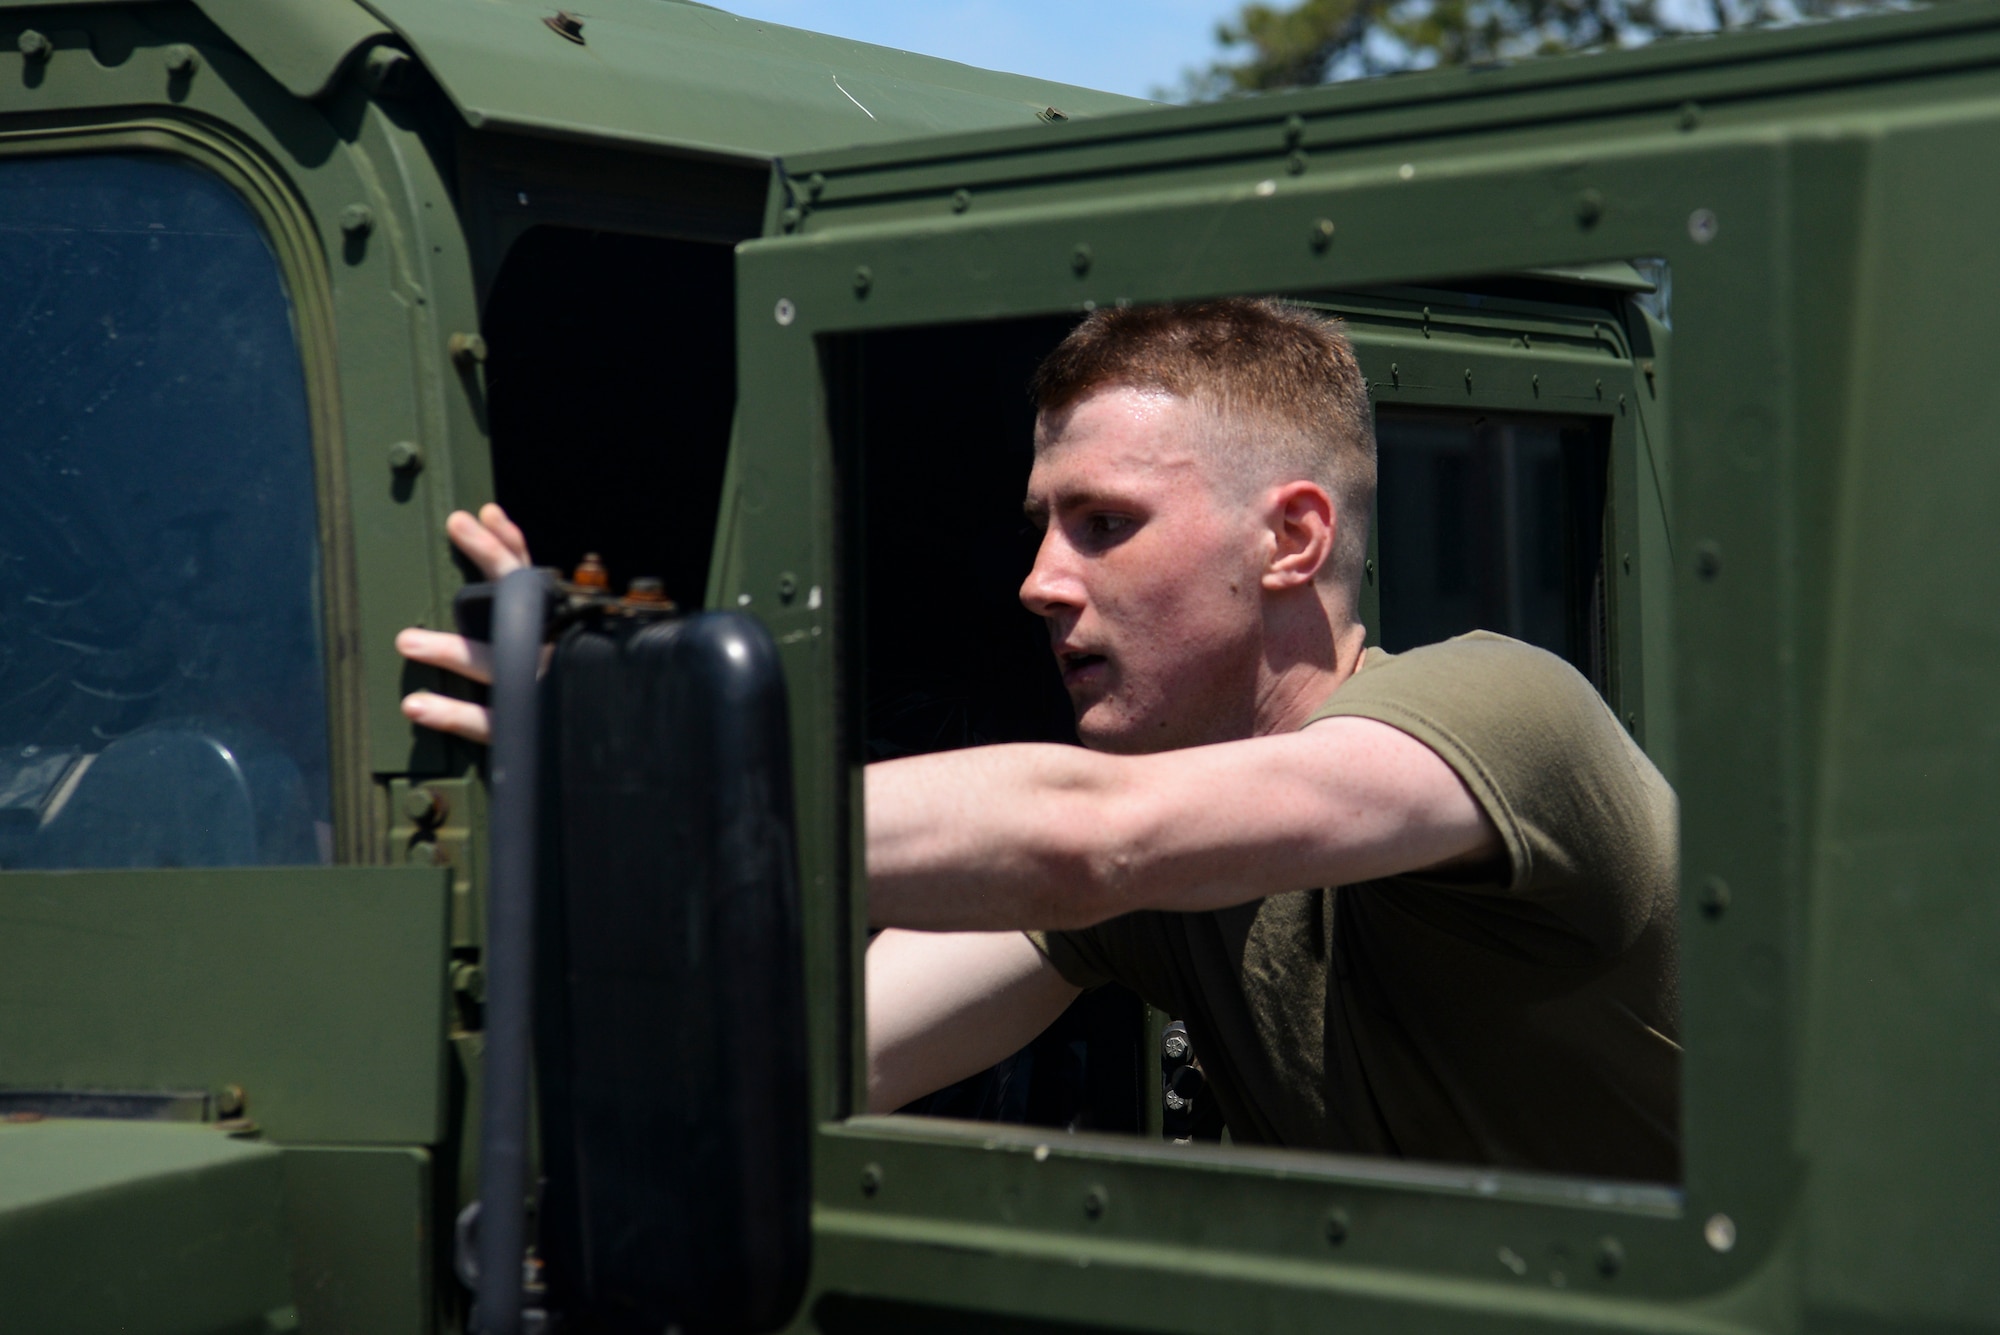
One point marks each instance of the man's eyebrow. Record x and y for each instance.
(1038, 509)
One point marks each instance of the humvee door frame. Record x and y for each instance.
(1236, 200)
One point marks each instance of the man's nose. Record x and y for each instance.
(1051, 584)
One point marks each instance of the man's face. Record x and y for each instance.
(1148, 572)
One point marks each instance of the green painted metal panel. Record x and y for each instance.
(320, 991)
(303, 44)
(672, 74)
(130, 1228)
(358, 1222)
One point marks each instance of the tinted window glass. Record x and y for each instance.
(1492, 523)
(162, 683)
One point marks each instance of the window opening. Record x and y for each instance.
(1484, 520)
(162, 670)
(611, 382)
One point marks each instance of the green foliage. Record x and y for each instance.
(1315, 41)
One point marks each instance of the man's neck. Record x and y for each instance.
(1290, 692)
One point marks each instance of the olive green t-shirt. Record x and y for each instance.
(1521, 1013)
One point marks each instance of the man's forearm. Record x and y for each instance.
(988, 838)
(944, 1005)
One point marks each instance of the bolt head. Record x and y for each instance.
(961, 200)
(1175, 1046)
(357, 220)
(406, 457)
(864, 281)
(230, 1101)
(871, 1179)
(35, 45)
(182, 58)
(1335, 1226)
(1095, 1202)
(384, 70)
(1080, 260)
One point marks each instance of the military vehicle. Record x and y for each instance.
(1681, 364)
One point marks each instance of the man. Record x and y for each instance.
(1417, 905)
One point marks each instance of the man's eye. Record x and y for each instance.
(1108, 526)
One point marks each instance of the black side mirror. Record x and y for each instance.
(668, 978)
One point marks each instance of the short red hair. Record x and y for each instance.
(1285, 372)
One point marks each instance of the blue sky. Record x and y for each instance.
(1121, 46)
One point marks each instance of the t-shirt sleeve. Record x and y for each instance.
(1146, 951)
(1590, 827)
(1077, 956)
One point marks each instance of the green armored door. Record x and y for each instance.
(1526, 267)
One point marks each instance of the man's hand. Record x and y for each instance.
(1041, 836)
(495, 544)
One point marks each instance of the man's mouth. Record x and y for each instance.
(1078, 666)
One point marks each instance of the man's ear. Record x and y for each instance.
(1302, 520)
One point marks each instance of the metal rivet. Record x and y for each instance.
(1407, 171)
(35, 46)
(1703, 225)
(1690, 115)
(1295, 130)
(1041, 1154)
(357, 220)
(1535, 385)
(424, 853)
(788, 586)
(961, 200)
(784, 312)
(1322, 234)
(1080, 258)
(229, 1101)
(1296, 163)
(1369, 566)
(1720, 1231)
(864, 281)
(1626, 561)
(1334, 1227)
(1589, 208)
(1096, 1201)
(871, 1179)
(1610, 1257)
(1714, 896)
(405, 457)
(815, 185)
(182, 59)
(1707, 559)
(790, 219)
(1468, 377)
(1395, 374)
(1264, 189)
(466, 349)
